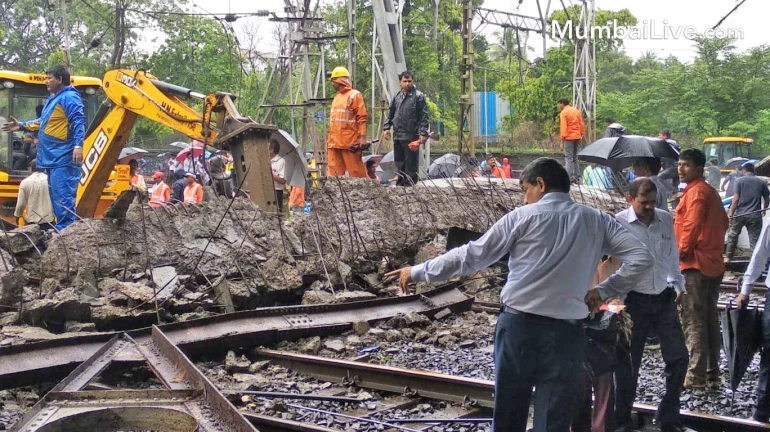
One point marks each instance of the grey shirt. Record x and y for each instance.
(555, 246)
(713, 176)
(751, 190)
(730, 180)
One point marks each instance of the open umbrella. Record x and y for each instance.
(389, 158)
(180, 144)
(735, 162)
(375, 157)
(130, 153)
(619, 152)
(741, 336)
(295, 166)
(185, 153)
(448, 165)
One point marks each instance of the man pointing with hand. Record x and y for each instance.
(554, 246)
(61, 130)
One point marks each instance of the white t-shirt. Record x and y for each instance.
(278, 166)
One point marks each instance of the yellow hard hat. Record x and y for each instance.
(340, 71)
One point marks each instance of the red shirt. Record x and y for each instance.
(700, 225)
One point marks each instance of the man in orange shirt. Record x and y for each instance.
(347, 128)
(496, 170)
(193, 192)
(571, 130)
(700, 225)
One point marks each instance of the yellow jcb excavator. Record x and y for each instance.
(131, 94)
(20, 95)
(137, 93)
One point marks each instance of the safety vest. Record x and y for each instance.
(137, 180)
(191, 194)
(158, 195)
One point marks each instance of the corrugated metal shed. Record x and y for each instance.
(489, 110)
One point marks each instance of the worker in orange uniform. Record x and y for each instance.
(193, 192)
(137, 180)
(572, 129)
(347, 128)
(160, 193)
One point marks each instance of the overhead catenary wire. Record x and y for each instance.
(728, 14)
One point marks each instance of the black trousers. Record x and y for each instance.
(407, 162)
(653, 313)
(279, 200)
(762, 410)
(546, 353)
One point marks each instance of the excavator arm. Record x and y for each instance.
(136, 93)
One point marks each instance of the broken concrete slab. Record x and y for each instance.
(311, 346)
(165, 276)
(234, 364)
(86, 283)
(335, 345)
(353, 296)
(12, 289)
(316, 296)
(23, 239)
(360, 327)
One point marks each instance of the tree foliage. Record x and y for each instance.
(721, 92)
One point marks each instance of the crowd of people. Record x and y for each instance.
(567, 261)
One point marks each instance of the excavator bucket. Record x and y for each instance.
(248, 142)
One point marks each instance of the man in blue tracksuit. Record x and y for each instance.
(61, 130)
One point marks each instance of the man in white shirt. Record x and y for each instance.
(650, 167)
(652, 307)
(36, 199)
(278, 166)
(554, 246)
(756, 266)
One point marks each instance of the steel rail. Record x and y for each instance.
(386, 378)
(276, 424)
(32, 362)
(455, 389)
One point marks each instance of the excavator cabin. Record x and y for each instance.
(20, 96)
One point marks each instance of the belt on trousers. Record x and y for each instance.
(513, 311)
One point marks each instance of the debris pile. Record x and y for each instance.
(188, 261)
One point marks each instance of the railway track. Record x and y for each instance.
(475, 395)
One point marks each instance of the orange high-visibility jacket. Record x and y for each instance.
(347, 120)
(193, 194)
(161, 194)
(297, 197)
(571, 125)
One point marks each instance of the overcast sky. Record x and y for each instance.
(751, 18)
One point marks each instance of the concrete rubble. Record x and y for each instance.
(185, 261)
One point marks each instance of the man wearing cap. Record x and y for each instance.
(408, 118)
(160, 193)
(347, 127)
(193, 193)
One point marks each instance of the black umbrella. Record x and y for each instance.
(619, 152)
(741, 336)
